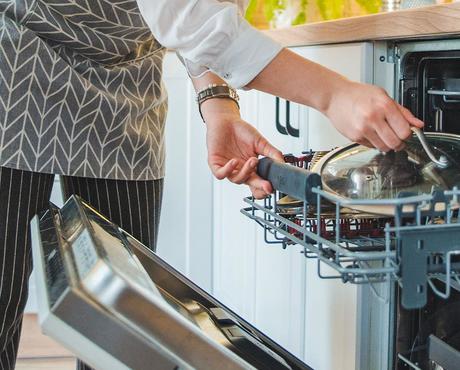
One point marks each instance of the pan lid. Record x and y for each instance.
(358, 172)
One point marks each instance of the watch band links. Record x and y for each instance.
(216, 91)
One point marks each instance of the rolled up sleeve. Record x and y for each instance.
(210, 35)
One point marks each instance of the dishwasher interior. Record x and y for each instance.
(406, 262)
(429, 83)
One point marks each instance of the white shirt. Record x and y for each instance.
(211, 35)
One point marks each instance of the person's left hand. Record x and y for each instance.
(234, 146)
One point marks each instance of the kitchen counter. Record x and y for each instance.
(429, 21)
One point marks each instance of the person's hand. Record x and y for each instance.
(367, 115)
(234, 146)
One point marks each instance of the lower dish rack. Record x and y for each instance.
(418, 246)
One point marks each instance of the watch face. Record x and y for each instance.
(358, 172)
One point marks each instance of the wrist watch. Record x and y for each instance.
(217, 91)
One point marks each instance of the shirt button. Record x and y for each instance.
(227, 75)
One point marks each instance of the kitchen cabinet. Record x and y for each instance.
(279, 290)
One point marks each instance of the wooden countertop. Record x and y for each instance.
(429, 21)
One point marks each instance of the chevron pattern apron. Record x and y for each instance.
(81, 92)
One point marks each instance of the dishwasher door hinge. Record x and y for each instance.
(387, 52)
(393, 53)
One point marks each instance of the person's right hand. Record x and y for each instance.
(367, 115)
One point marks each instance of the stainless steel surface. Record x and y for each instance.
(442, 162)
(439, 127)
(117, 305)
(443, 92)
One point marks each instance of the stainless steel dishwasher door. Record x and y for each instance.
(117, 305)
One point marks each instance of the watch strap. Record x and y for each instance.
(217, 91)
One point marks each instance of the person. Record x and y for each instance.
(81, 96)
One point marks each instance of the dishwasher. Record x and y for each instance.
(387, 222)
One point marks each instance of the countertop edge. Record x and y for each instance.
(424, 22)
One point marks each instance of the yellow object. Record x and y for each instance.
(285, 13)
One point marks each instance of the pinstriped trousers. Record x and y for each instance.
(133, 205)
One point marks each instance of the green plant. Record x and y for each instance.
(302, 16)
(251, 11)
(271, 7)
(370, 6)
(331, 9)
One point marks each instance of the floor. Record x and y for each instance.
(39, 352)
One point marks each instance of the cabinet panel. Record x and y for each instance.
(280, 297)
(330, 305)
(280, 274)
(234, 236)
(185, 236)
(275, 290)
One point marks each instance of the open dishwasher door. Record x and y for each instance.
(116, 305)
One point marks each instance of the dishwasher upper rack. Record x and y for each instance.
(417, 247)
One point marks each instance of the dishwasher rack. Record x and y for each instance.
(417, 247)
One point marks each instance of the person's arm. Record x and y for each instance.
(212, 35)
(363, 113)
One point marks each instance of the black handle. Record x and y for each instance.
(291, 130)
(279, 127)
(294, 181)
(288, 130)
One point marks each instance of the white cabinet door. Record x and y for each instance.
(330, 305)
(306, 314)
(185, 236)
(280, 274)
(234, 237)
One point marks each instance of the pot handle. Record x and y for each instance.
(288, 179)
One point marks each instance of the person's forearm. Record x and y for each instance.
(200, 83)
(297, 79)
(363, 113)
